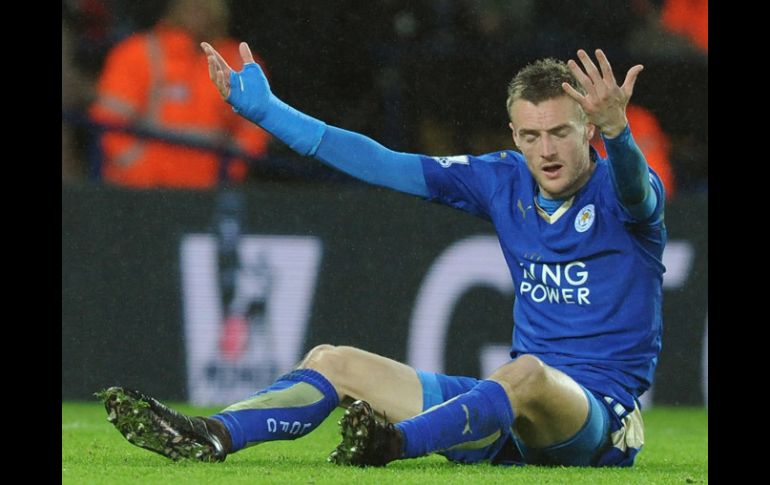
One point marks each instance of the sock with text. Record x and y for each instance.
(291, 407)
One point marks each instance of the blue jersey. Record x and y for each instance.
(588, 279)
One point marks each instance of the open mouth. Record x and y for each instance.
(552, 170)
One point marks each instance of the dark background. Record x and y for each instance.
(430, 76)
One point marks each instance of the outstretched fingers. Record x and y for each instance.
(590, 67)
(573, 93)
(628, 84)
(213, 67)
(220, 77)
(604, 102)
(604, 64)
(581, 77)
(220, 61)
(219, 70)
(246, 55)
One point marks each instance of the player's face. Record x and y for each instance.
(554, 139)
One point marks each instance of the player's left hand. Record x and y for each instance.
(604, 102)
(247, 90)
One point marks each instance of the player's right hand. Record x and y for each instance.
(248, 90)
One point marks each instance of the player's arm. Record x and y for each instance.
(605, 104)
(249, 93)
(630, 176)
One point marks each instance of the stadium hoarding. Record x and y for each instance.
(156, 295)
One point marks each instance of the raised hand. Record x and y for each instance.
(248, 90)
(604, 102)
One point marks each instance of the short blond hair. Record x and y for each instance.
(541, 80)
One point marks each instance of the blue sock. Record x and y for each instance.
(291, 407)
(479, 415)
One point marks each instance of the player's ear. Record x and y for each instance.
(590, 130)
(513, 133)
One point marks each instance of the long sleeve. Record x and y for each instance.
(367, 160)
(353, 153)
(630, 175)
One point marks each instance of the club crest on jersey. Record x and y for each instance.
(585, 218)
(447, 162)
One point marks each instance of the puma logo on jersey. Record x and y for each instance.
(522, 209)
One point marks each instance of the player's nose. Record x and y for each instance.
(547, 147)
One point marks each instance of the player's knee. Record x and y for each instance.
(317, 355)
(523, 379)
(327, 359)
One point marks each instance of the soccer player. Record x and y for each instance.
(583, 238)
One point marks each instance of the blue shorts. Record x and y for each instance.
(583, 449)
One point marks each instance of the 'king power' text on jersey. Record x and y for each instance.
(587, 278)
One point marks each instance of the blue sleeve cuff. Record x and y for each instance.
(301, 132)
(251, 97)
(630, 175)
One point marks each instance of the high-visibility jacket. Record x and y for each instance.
(689, 18)
(159, 80)
(653, 142)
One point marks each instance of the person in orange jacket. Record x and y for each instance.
(652, 140)
(689, 18)
(158, 80)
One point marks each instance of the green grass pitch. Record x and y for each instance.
(676, 451)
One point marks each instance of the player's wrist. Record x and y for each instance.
(250, 94)
(618, 137)
(302, 133)
(613, 130)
